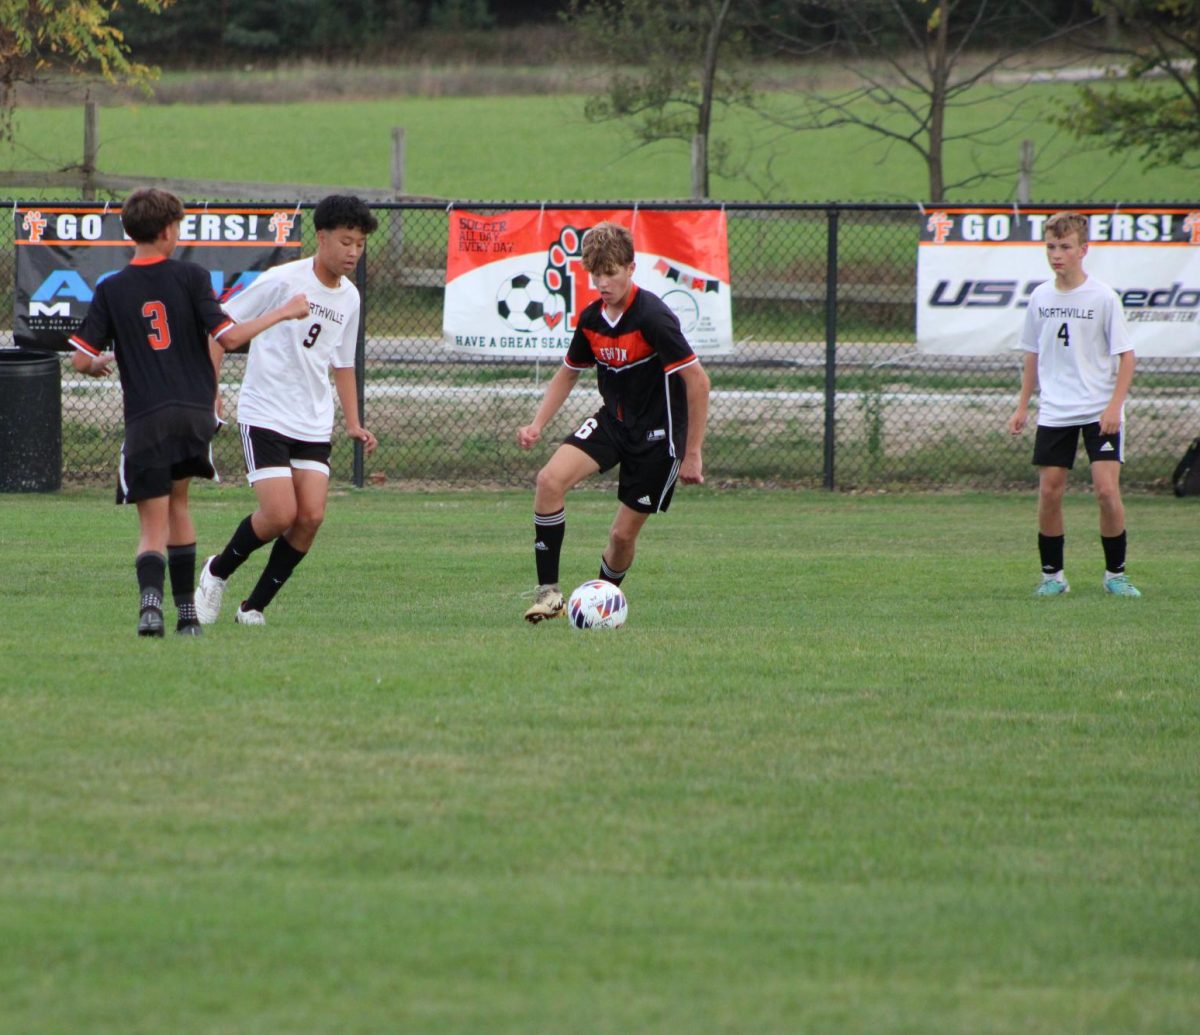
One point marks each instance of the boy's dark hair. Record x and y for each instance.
(344, 210)
(148, 211)
(607, 247)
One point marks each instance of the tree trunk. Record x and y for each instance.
(937, 105)
(700, 187)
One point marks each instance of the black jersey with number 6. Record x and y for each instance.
(158, 314)
(634, 360)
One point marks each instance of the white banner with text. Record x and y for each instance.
(977, 267)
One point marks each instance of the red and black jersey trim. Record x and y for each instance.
(82, 345)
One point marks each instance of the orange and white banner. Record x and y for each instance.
(515, 284)
(977, 267)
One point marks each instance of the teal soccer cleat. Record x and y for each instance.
(1052, 587)
(1120, 586)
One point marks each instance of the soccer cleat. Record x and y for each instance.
(548, 603)
(188, 627)
(150, 622)
(1052, 588)
(244, 617)
(1120, 586)
(208, 594)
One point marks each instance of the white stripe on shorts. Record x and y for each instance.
(670, 482)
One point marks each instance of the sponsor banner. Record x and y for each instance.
(62, 254)
(977, 267)
(515, 283)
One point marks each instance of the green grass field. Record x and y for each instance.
(538, 148)
(839, 774)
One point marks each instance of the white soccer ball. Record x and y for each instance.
(527, 305)
(597, 605)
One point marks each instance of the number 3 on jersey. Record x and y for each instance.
(159, 337)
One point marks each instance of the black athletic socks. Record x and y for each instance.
(240, 546)
(548, 531)
(280, 565)
(151, 576)
(181, 565)
(151, 570)
(1050, 548)
(1114, 552)
(608, 575)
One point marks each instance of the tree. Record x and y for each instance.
(673, 62)
(910, 63)
(1157, 113)
(39, 38)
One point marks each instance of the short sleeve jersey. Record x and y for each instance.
(634, 361)
(1078, 336)
(286, 385)
(158, 314)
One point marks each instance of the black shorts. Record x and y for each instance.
(1055, 447)
(141, 480)
(648, 470)
(272, 455)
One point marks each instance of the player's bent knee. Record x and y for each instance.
(550, 483)
(308, 521)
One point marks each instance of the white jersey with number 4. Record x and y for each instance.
(286, 387)
(1078, 336)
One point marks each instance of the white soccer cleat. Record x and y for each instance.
(209, 592)
(548, 603)
(244, 617)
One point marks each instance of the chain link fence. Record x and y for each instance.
(825, 386)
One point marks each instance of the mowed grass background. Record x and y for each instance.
(542, 148)
(840, 773)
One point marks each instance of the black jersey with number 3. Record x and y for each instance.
(158, 313)
(634, 360)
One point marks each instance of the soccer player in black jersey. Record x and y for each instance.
(158, 313)
(652, 422)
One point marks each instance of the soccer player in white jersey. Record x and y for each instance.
(1079, 358)
(286, 412)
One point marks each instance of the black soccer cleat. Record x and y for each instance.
(188, 627)
(150, 622)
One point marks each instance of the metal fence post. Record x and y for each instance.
(360, 365)
(831, 262)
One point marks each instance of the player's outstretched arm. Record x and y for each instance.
(93, 366)
(234, 337)
(697, 385)
(556, 394)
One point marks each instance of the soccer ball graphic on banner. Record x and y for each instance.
(597, 605)
(527, 305)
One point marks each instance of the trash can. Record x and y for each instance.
(30, 421)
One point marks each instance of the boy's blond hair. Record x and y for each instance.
(1061, 224)
(147, 212)
(607, 247)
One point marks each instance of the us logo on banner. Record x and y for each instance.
(977, 268)
(515, 283)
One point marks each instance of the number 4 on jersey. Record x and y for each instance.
(1064, 335)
